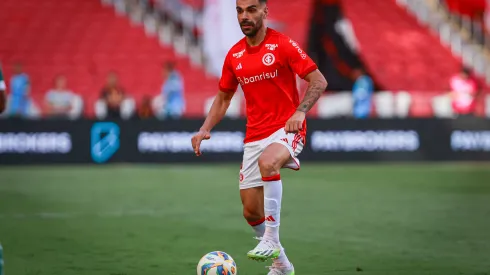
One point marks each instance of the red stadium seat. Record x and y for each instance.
(400, 53)
(85, 40)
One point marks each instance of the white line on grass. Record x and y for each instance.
(72, 215)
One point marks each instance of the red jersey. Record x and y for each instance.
(267, 75)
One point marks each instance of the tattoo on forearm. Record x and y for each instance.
(315, 90)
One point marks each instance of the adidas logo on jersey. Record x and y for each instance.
(239, 67)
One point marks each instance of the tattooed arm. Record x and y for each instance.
(316, 87)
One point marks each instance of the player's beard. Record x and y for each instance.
(252, 32)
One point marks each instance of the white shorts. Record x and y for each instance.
(250, 173)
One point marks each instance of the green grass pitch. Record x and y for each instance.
(379, 219)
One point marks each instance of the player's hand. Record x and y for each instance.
(197, 138)
(295, 123)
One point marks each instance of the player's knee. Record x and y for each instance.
(252, 214)
(268, 167)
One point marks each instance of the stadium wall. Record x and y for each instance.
(336, 140)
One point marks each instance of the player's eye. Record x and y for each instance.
(239, 11)
(251, 10)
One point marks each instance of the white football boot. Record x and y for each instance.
(265, 250)
(277, 269)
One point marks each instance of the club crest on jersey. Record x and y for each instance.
(268, 59)
(238, 54)
(271, 47)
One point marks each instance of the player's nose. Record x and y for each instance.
(244, 17)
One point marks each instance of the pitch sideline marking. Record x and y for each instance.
(74, 215)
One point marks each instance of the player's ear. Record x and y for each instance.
(266, 12)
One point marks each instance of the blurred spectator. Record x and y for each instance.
(145, 111)
(3, 92)
(362, 93)
(147, 5)
(59, 100)
(464, 90)
(112, 95)
(172, 92)
(20, 89)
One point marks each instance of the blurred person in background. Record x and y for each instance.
(145, 110)
(463, 92)
(172, 92)
(59, 100)
(113, 95)
(3, 92)
(20, 89)
(362, 93)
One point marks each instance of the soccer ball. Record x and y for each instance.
(216, 263)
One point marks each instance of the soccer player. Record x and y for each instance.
(265, 63)
(3, 96)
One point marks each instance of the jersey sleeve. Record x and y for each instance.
(228, 82)
(298, 60)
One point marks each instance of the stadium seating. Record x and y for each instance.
(85, 40)
(487, 106)
(292, 17)
(400, 53)
(467, 7)
(335, 105)
(195, 4)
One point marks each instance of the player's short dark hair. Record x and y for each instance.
(263, 1)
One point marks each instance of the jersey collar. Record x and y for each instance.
(256, 49)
